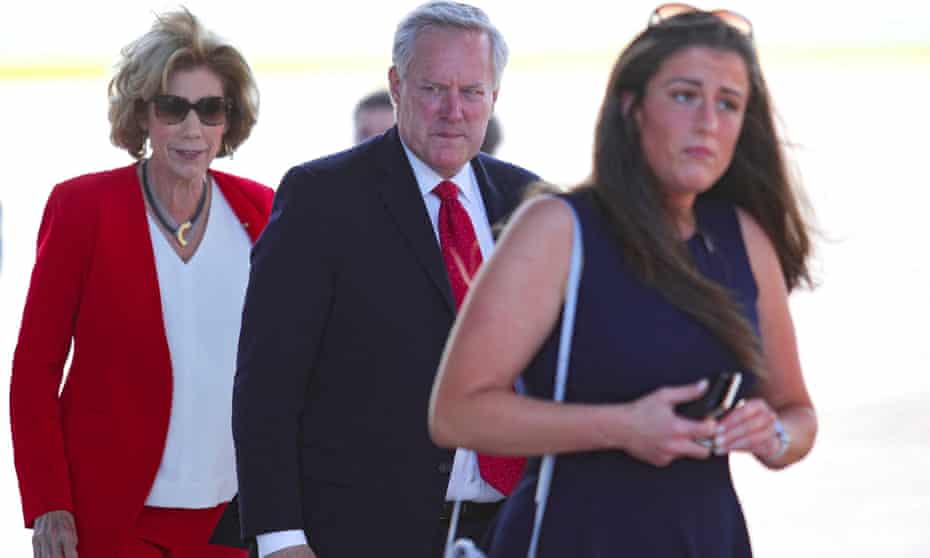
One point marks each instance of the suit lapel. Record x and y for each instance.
(494, 202)
(143, 293)
(246, 211)
(398, 189)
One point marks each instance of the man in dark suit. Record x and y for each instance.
(354, 287)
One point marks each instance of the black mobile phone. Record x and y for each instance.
(717, 400)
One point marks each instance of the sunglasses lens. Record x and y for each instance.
(211, 110)
(170, 109)
(666, 11)
(735, 20)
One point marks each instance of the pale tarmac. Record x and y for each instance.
(859, 135)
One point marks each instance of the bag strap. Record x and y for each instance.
(547, 466)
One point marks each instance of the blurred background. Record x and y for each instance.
(850, 85)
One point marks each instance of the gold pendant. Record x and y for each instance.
(180, 234)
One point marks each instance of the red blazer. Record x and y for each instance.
(95, 448)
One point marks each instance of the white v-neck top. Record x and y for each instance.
(202, 310)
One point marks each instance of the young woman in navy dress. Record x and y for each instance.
(693, 239)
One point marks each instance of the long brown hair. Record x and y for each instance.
(757, 180)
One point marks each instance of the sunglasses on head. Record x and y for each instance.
(171, 109)
(731, 18)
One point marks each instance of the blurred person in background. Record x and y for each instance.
(373, 115)
(354, 286)
(693, 238)
(143, 268)
(492, 136)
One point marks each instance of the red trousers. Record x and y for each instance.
(178, 533)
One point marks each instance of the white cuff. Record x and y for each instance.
(276, 540)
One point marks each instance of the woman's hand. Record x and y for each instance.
(658, 436)
(55, 535)
(748, 427)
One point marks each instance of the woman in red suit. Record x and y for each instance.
(143, 269)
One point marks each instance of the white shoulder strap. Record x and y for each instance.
(464, 548)
(561, 374)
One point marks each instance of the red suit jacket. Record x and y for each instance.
(95, 448)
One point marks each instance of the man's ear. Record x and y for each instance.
(394, 84)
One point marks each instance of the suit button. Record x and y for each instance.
(445, 467)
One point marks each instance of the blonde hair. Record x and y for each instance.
(177, 41)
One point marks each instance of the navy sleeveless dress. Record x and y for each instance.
(628, 341)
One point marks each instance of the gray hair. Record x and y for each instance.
(447, 14)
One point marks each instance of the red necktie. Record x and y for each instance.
(462, 255)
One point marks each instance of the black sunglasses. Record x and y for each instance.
(171, 109)
(731, 18)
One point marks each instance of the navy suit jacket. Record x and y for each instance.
(346, 316)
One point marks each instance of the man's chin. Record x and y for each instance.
(449, 163)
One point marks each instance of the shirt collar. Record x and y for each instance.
(427, 178)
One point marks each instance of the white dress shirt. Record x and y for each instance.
(465, 482)
(202, 307)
